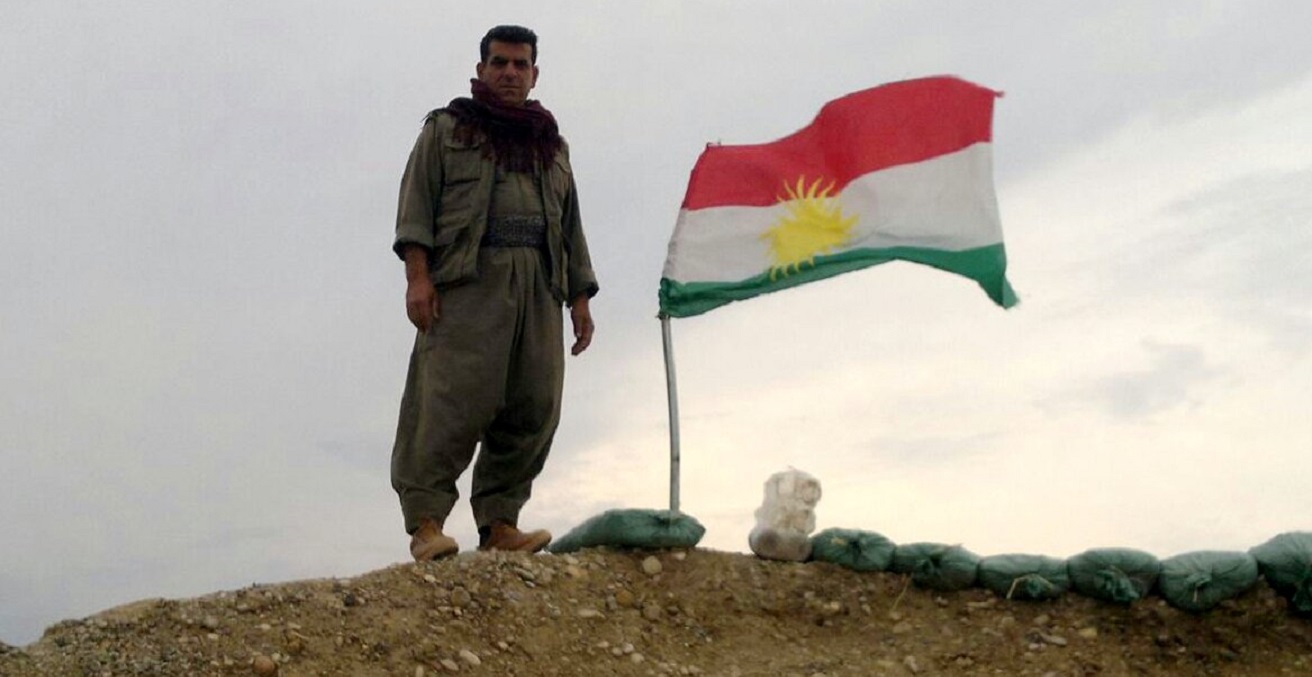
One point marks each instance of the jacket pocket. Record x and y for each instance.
(461, 162)
(449, 265)
(462, 173)
(448, 233)
(560, 177)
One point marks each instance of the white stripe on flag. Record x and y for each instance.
(945, 203)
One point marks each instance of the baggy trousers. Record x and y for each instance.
(489, 371)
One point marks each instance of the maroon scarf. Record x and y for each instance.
(520, 136)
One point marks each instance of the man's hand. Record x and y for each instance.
(422, 304)
(581, 316)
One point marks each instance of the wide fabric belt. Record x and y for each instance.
(520, 230)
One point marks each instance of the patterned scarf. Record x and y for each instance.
(521, 136)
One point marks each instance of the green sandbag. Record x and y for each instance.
(1024, 577)
(936, 565)
(1198, 581)
(852, 548)
(1120, 575)
(1286, 563)
(632, 528)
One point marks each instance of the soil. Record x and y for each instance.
(699, 612)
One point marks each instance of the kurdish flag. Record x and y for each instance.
(900, 171)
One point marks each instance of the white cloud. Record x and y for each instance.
(1172, 379)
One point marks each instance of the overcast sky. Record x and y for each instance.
(203, 339)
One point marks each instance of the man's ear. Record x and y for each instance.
(478, 69)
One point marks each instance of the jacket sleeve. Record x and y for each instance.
(581, 278)
(421, 188)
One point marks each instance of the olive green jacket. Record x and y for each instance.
(445, 195)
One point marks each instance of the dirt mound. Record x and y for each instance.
(663, 613)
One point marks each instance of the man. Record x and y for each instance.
(488, 226)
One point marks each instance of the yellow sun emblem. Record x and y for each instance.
(814, 224)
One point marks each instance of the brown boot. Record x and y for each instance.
(429, 543)
(502, 536)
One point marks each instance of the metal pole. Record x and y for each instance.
(672, 390)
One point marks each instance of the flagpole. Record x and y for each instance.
(672, 391)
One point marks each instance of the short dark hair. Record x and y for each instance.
(513, 34)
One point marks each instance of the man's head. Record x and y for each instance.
(512, 34)
(508, 63)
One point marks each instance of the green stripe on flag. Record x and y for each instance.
(985, 265)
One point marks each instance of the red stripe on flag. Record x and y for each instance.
(877, 128)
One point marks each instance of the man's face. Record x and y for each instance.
(509, 71)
